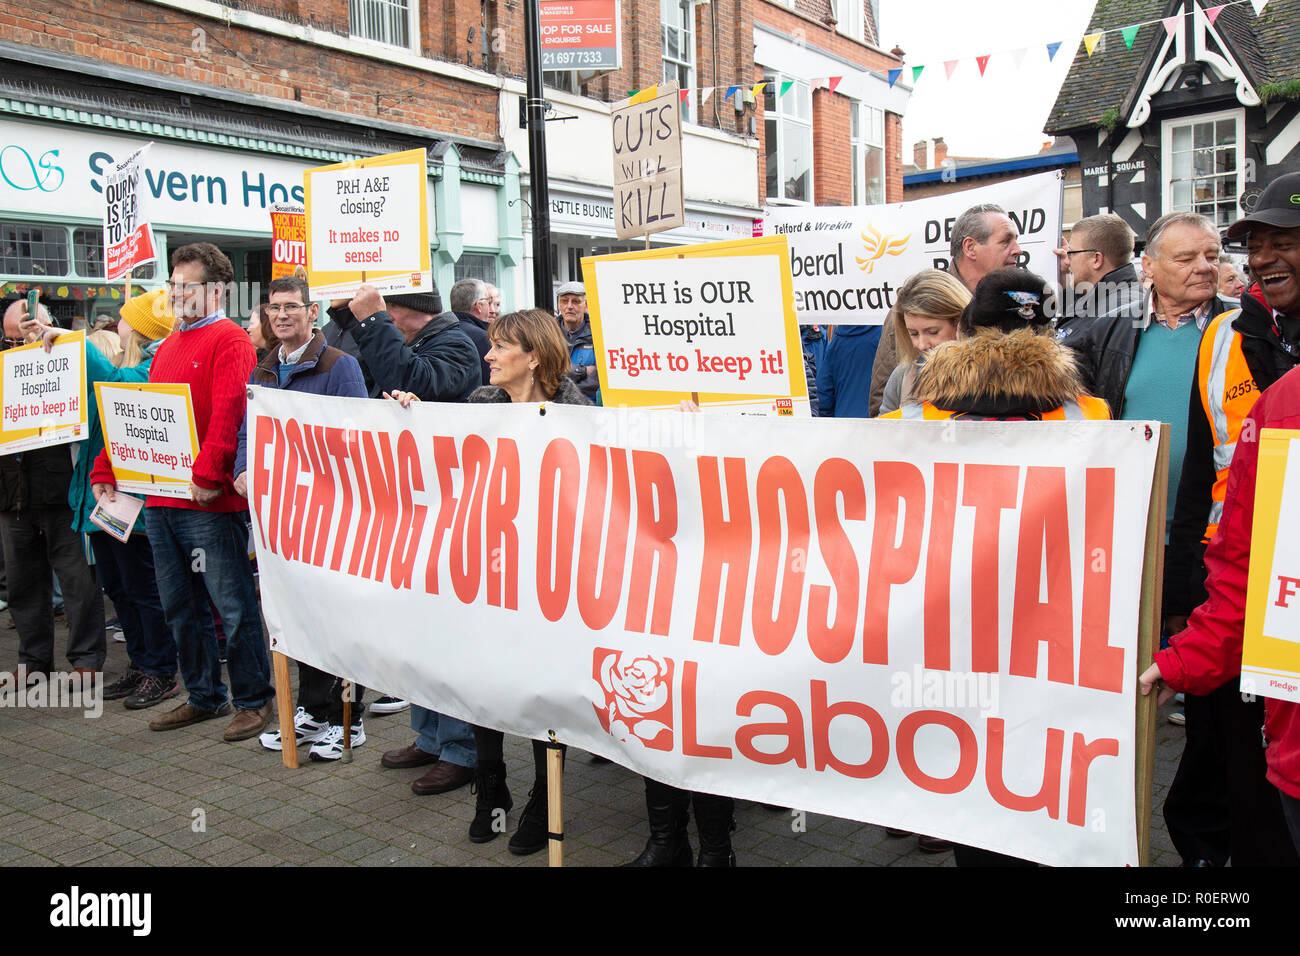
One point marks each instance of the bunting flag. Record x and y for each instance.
(983, 62)
(758, 89)
(1171, 25)
(833, 82)
(1212, 13)
(1129, 34)
(644, 96)
(1259, 6)
(950, 65)
(1051, 51)
(705, 93)
(916, 73)
(1017, 57)
(730, 91)
(1090, 42)
(893, 77)
(684, 97)
(785, 87)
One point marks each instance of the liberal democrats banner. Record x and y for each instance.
(930, 626)
(848, 261)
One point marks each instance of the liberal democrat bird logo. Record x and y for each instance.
(877, 246)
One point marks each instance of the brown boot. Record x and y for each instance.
(250, 723)
(184, 715)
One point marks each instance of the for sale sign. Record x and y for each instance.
(128, 237)
(580, 34)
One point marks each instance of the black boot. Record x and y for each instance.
(532, 833)
(715, 817)
(669, 844)
(491, 803)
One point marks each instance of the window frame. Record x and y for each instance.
(412, 23)
(853, 26)
(784, 118)
(1167, 128)
(860, 146)
(685, 44)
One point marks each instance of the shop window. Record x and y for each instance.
(88, 256)
(679, 48)
(473, 266)
(1203, 171)
(867, 142)
(391, 22)
(788, 140)
(27, 250)
(257, 268)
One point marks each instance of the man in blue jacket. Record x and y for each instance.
(844, 375)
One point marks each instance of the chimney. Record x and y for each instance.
(898, 52)
(940, 151)
(919, 152)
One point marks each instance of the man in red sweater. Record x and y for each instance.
(205, 533)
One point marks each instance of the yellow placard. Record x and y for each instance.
(750, 284)
(43, 394)
(368, 223)
(150, 435)
(1270, 658)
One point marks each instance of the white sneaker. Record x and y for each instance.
(306, 730)
(388, 705)
(330, 747)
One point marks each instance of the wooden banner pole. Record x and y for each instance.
(346, 756)
(284, 704)
(1149, 621)
(555, 800)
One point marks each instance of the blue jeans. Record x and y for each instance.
(197, 555)
(444, 737)
(126, 573)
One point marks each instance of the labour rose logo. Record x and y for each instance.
(638, 696)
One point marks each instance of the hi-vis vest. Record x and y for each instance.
(1084, 407)
(1228, 391)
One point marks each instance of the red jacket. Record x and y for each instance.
(1208, 652)
(215, 361)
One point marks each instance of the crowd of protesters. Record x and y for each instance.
(983, 339)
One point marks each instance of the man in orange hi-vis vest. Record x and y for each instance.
(1220, 806)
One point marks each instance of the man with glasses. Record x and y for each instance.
(1097, 261)
(205, 533)
(304, 363)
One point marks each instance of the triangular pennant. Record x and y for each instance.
(833, 82)
(1171, 25)
(1212, 13)
(916, 73)
(893, 77)
(950, 65)
(1259, 6)
(982, 62)
(1017, 57)
(705, 93)
(644, 96)
(683, 96)
(1051, 51)
(785, 87)
(758, 89)
(1090, 42)
(730, 91)
(1129, 34)
(632, 93)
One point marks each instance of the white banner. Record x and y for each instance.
(849, 261)
(937, 634)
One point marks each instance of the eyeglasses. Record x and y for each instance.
(291, 308)
(1075, 252)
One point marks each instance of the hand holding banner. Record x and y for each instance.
(43, 394)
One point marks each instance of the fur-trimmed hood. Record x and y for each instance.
(999, 374)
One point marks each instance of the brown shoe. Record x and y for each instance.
(184, 715)
(411, 756)
(441, 778)
(929, 844)
(250, 723)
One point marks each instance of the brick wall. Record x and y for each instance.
(893, 157)
(832, 154)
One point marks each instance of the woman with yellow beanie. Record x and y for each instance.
(125, 569)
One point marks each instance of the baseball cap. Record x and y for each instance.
(571, 288)
(1278, 205)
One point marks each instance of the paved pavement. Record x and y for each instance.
(109, 792)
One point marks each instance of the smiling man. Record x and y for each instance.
(1219, 804)
(304, 363)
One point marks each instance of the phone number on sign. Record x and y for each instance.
(572, 58)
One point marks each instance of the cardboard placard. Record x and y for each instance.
(43, 394)
(647, 164)
(150, 436)
(368, 223)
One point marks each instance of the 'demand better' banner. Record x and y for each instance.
(937, 634)
(849, 261)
